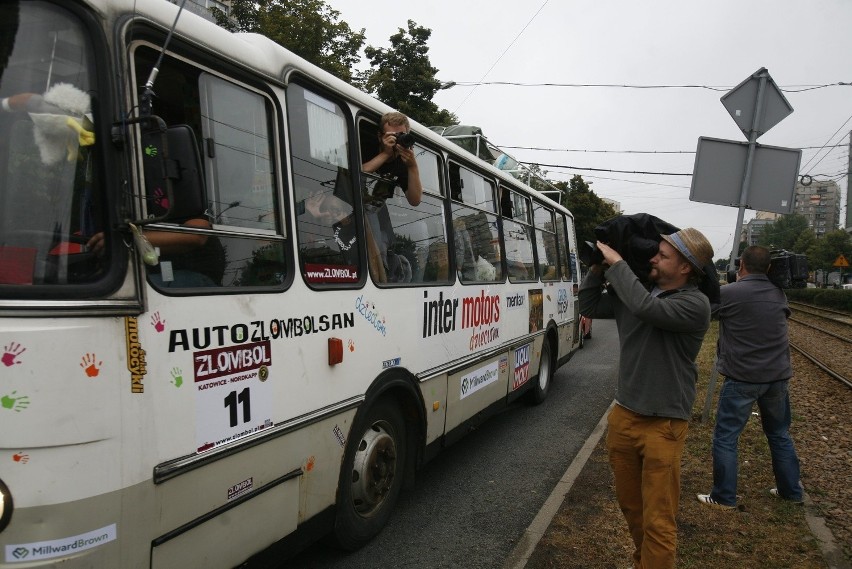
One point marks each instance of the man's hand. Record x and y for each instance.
(407, 156)
(610, 255)
(96, 244)
(389, 144)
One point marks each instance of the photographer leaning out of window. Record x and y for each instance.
(395, 161)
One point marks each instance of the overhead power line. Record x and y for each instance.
(786, 89)
(604, 169)
(505, 51)
(589, 169)
(589, 151)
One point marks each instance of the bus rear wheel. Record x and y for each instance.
(372, 475)
(540, 389)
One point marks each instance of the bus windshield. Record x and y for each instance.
(49, 212)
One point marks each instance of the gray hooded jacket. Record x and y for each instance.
(660, 337)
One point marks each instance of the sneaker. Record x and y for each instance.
(708, 501)
(774, 493)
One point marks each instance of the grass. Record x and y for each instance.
(589, 531)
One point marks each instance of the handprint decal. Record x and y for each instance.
(161, 199)
(11, 353)
(158, 324)
(177, 376)
(16, 404)
(89, 366)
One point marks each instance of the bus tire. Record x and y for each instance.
(541, 387)
(372, 476)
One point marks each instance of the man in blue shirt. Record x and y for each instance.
(753, 354)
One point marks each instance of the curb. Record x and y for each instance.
(526, 545)
(832, 553)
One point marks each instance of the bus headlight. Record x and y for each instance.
(5, 506)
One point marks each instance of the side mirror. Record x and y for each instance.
(174, 179)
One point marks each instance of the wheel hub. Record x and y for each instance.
(373, 470)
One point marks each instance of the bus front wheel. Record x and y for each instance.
(372, 475)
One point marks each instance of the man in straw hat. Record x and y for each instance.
(661, 327)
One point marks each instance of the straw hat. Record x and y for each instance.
(692, 244)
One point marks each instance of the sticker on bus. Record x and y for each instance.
(522, 366)
(66, 546)
(233, 397)
(476, 380)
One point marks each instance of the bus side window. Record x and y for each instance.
(329, 247)
(233, 237)
(566, 256)
(518, 239)
(476, 235)
(52, 204)
(545, 232)
(405, 243)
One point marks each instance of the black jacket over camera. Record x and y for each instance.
(637, 239)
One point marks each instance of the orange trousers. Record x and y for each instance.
(645, 453)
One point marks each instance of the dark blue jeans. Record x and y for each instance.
(736, 400)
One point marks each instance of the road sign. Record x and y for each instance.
(720, 167)
(742, 103)
(840, 261)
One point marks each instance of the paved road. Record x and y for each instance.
(472, 503)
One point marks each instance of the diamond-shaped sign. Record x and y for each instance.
(741, 103)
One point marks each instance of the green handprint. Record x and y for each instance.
(16, 404)
(151, 150)
(177, 376)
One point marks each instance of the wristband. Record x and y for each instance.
(5, 105)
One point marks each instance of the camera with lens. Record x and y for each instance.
(404, 139)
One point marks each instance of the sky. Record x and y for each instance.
(707, 43)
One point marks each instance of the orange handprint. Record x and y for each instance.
(88, 364)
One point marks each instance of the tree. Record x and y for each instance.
(783, 233)
(805, 243)
(826, 250)
(308, 28)
(402, 77)
(589, 210)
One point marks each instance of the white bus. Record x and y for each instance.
(197, 360)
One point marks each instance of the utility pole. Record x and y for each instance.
(848, 193)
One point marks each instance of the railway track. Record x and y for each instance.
(819, 311)
(823, 336)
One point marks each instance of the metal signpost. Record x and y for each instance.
(747, 175)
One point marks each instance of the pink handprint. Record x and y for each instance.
(10, 353)
(159, 325)
(161, 199)
(88, 364)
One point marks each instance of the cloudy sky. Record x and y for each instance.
(710, 44)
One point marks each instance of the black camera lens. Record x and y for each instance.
(405, 139)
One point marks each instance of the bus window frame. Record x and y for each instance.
(110, 292)
(350, 112)
(368, 125)
(526, 197)
(536, 206)
(191, 56)
(495, 213)
(564, 256)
